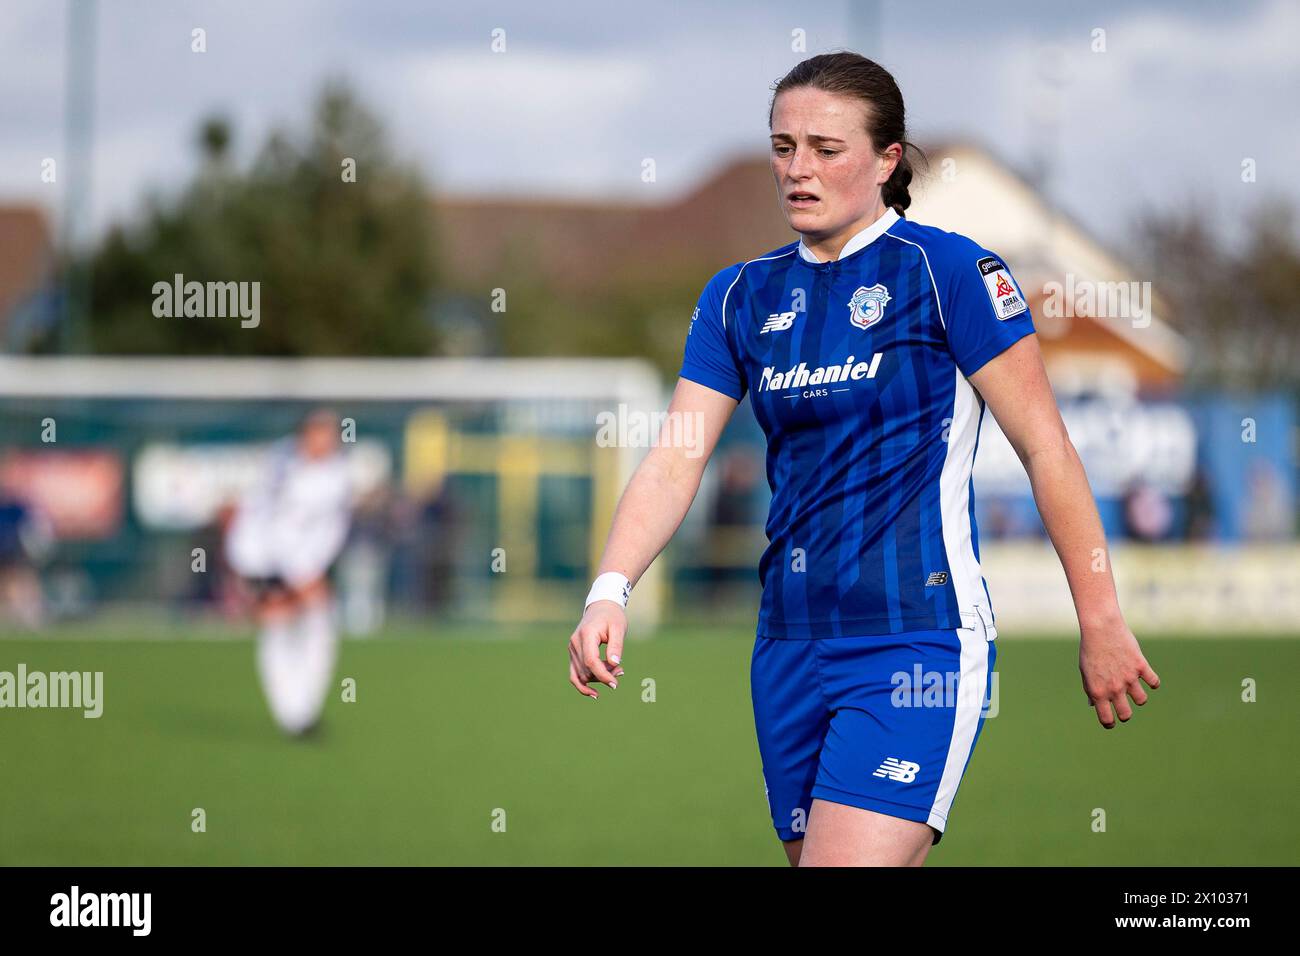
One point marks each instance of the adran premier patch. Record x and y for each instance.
(1003, 292)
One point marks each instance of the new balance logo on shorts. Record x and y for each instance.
(902, 771)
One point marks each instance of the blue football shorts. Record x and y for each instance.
(886, 722)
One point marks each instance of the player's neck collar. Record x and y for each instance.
(860, 241)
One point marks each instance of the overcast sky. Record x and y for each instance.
(1163, 118)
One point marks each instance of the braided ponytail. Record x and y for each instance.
(894, 191)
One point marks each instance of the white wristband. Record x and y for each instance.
(610, 586)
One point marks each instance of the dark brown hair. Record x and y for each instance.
(852, 74)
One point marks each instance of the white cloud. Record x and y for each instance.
(505, 119)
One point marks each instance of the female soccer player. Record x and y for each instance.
(869, 350)
(286, 533)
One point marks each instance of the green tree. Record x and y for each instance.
(1239, 306)
(345, 267)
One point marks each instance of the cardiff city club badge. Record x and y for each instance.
(867, 307)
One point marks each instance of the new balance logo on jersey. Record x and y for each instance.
(901, 771)
(777, 322)
(801, 376)
(936, 578)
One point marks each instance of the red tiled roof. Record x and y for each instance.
(26, 255)
(586, 243)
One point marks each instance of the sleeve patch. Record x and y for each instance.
(1002, 289)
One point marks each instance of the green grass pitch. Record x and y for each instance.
(455, 730)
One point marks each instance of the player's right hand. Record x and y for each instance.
(604, 623)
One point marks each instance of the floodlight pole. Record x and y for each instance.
(864, 28)
(78, 172)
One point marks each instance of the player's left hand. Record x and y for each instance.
(1113, 669)
(604, 622)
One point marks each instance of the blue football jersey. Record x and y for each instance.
(857, 373)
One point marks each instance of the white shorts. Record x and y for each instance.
(271, 549)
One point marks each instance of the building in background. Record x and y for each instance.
(1100, 327)
(27, 293)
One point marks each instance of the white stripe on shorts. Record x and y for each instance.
(969, 704)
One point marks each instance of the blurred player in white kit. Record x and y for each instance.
(285, 534)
